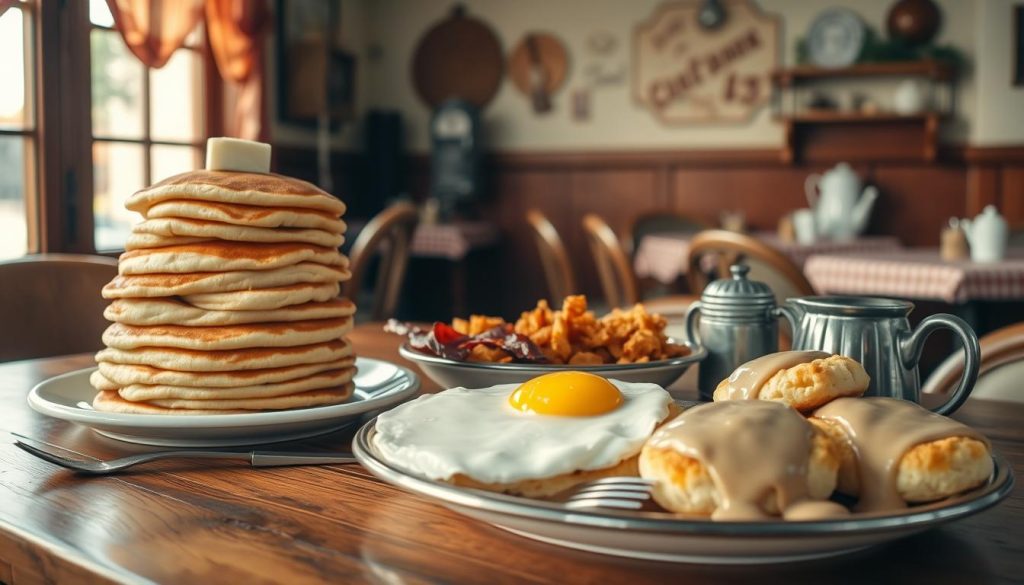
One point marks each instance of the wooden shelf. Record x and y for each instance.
(852, 135)
(929, 68)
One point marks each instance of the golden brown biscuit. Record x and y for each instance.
(684, 484)
(810, 385)
(927, 472)
(546, 487)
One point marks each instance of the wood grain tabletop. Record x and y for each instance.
(199, 522)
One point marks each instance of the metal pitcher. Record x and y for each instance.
(876, 332)
(737, 323)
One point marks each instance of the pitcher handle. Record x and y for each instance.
(791, 316)
(691, 322)
(911, 347)
(811, 189)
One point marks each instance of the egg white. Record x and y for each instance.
(477, 433)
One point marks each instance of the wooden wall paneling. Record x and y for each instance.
(1011, 194)
(618, 196)
(982, 188)
(518, 269)
(916, 201)
(763, 194)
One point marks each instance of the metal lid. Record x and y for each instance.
(738, 292)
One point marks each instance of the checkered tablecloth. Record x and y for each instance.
(663, 256)
(918, 274)
(452, 240)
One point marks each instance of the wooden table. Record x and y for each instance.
(188, 523)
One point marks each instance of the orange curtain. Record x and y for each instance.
(235, 29)
(154, 29)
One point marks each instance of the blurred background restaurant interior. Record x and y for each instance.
(660, 117)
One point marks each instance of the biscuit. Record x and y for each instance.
(810, 385)
(927, 472)
(685, 486)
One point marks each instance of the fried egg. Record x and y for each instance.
(551, 425)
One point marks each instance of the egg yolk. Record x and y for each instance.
(566, 394)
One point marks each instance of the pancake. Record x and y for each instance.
(113, 376)
(138, 241)
(219, 256)
(248, 215)
(186, 360)
(265, 299)
(264, 190)
(169, 285)
(227, 336)
(108, 401)
(177, 227)
(171, 311)
(149, 392)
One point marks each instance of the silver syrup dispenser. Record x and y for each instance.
(738, 322)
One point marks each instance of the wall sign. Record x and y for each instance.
(683, 72)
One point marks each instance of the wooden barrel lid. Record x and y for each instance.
(460, 57)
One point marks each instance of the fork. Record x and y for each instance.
(623, 493)
(52, 453)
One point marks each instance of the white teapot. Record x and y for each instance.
(987, 235)
(841, 208)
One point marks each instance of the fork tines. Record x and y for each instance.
(626, 493)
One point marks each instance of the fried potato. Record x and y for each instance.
(573, 335)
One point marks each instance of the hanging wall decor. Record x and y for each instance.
(538, 67)
(685, 72)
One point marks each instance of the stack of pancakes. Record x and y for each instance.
(227, 299)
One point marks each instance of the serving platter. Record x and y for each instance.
(379, 384)
(666, 537)
(453, 373)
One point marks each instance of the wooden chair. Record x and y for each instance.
(767, 264)
(390, 234)
(616, 273)
(1002, 367)
(553, 258)
(51, 304)
(660, 222)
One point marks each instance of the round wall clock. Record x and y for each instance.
(835, 38)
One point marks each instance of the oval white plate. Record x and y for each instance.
(664, 537)
(379, 384)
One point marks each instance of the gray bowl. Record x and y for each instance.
(452, 373)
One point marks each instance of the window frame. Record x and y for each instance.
(59, 211)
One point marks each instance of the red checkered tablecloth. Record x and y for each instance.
(917, 274)
(452, 240)
(663, 256)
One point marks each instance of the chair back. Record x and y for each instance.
(661, 222)
(51, 304)
(553, 257)
(1000, 372)
(389, 234)
(613, 265)
(767, 264)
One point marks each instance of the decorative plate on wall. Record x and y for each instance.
(460, 57)
(835, 38)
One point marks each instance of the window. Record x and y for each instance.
(147, 124)
(17, 132)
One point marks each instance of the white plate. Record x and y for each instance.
(664, 537)
(453, 373)
(69, 397)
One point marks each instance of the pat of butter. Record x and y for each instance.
(234, 154)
